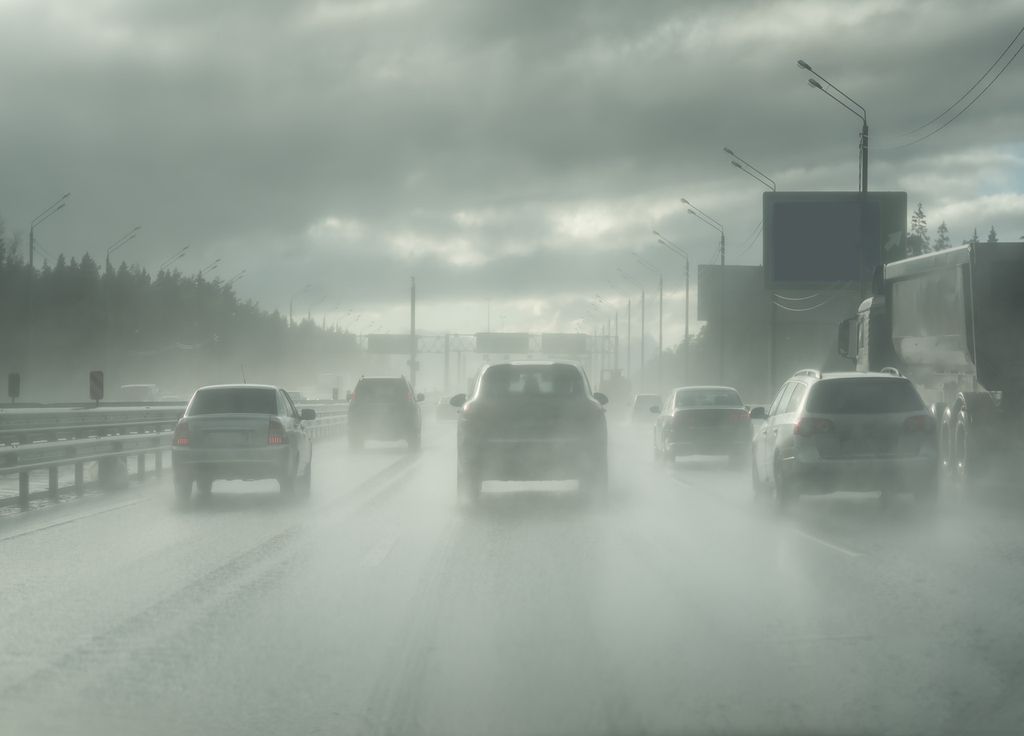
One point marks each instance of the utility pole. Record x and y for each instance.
(661, 334)
(412, 333)
(629, 340)
(643, 333)
(447, 357)
(616, 340)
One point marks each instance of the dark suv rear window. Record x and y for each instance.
(532, 380)
(236, 400)
(863, 396)
(381, 389)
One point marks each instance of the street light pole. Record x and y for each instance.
(712, 222)
(686, 327)
(51, 210)
(120, 242)
(176, 257)
(862, 114)
(661, 313)
(291, 302)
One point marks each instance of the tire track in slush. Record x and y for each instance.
(196, 600)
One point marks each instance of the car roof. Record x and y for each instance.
(858, 374)
(238, 385)
(535, 363)
(382, 378)
(705, 388)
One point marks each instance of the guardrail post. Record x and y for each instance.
(140, 463)
(23, 488)
(54, 483)
(79, 478)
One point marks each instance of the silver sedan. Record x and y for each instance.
(241, 431)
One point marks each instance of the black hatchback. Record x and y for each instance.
(384, 408)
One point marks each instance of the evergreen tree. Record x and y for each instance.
(918, 240)
(974, 239)
(942, 237)
(992, 237)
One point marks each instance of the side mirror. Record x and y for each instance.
(844, 346)
(655, 410)
(420, 397)
(758, 412)
(601, 398)
(307, 415)
(457, 400)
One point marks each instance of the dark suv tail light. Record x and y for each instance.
(276, 435)
(181, 434)
(808, 426)
(918, 423)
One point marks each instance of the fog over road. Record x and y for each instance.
(384, 605)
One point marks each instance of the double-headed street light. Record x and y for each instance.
(51, 210)
(661, 312)
(679, 251)
(643, 323)
(712, 222)
(121, 242)
(859, 112)
(750, 170)
(291, 301)
(173, 259)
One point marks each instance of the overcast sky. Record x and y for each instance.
(509, 151)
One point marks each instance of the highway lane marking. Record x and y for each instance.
(799, 532)
(380, 551)
(830, 545)
(71, 520)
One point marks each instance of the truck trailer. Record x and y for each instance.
(953, 322)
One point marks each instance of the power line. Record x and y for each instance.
(972, 87)
(753, 238)
(966, 107)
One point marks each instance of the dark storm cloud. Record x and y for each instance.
(491, 148)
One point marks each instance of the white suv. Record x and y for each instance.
(845, 432)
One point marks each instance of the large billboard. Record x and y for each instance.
(503, 343)
(389, 344)
(822, 238)
(555, 343)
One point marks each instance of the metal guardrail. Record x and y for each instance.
(46, 439)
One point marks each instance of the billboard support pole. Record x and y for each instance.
(721, 307)
(629, 339)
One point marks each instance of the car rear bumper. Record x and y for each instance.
(862, 474)
(709, 446)
(532, 459)
(231, 463)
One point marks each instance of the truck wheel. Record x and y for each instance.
(947, 430)
(964, 452)
(204, 486)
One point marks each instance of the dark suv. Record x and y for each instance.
(532, 421)
(384, 409)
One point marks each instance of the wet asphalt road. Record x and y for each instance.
(383, 605)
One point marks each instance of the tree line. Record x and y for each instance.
(176, 330)
(919, 240)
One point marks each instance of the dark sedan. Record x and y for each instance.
(703, 420)
(532, 421)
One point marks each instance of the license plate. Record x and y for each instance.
(226, 439)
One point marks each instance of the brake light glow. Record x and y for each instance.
(276, 435)
(809, 426)
(918, 423)
(181, 434)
